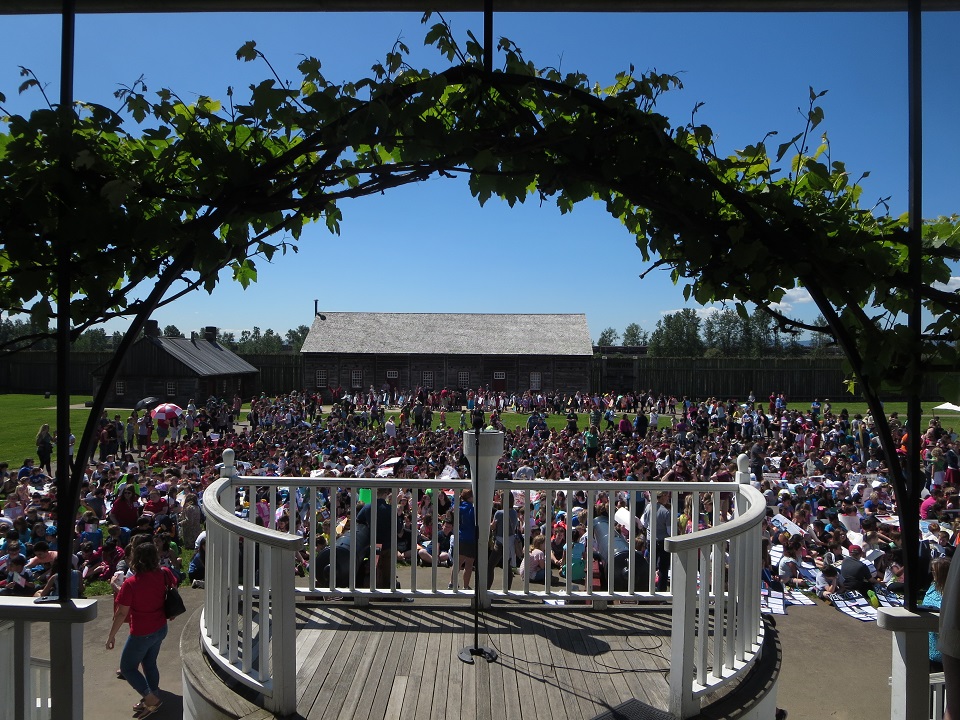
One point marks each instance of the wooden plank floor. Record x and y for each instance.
(399, 661)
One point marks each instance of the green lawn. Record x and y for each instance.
(22, 417)
(512, 420)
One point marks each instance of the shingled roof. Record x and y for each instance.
(449, 334)
(204, 357)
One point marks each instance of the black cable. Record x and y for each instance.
(636, 671)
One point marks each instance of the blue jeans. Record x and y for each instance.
(142, 650)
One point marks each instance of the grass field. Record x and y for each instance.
(22, 416)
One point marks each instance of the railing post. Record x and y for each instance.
(910, 674)
(22, 689)
(684, 586)
(28, 687)
(218, 576)
(66, 665)
(283, 639)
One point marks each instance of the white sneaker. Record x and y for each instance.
(198, 584)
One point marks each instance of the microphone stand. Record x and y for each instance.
(468, 654)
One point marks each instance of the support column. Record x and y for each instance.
(910, 671)
(66, 670)
(22, 690)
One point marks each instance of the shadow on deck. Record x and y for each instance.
(389, 660)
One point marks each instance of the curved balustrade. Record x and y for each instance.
(248, 625)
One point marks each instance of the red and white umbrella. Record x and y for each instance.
(166, 411)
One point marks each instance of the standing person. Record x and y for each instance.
(142, 432)
(466, 544)
(933, 598)
(141, 603)
(505, 522)
(664, 522)
(130, 431)
(949, 643)
(45, 448)
(366, 516)
(591, 442)
(191, 520)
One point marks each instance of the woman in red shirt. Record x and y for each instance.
(126, 508)
(140, 601)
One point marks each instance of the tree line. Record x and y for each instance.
(723, 333)
(248, 342)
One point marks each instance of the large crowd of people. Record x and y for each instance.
(820, 469)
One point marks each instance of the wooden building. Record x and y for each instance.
(356, 350)
(177, 369)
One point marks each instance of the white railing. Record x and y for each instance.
(938, 697)
(249, 628)
(716, 572)
(248, 624)
(28, 693)
(36, 703)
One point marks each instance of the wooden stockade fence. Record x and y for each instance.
(800, 378)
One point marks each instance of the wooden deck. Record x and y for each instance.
(399, 660)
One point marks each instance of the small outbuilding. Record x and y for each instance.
(404, 351)
(176, 369)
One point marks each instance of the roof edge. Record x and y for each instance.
(54, 7)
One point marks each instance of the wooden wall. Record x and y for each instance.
(35, 372)
(804, 378)
(555, 372)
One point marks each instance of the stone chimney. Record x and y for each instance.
(210, 333)
(151, 328)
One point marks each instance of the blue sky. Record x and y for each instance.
(431, 248)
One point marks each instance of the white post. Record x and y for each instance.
(684, 586)
(216, 593)
(743, 469)
(910, 676)
(483, 466)
(283, 612)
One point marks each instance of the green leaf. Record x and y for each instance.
(783, 147)
(247, 51)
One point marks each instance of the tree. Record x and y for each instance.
(760, 336)
(723, 332)
(677, 335)
(19, 334)
(172, 331)
(608, 336)
(227, 339)
(271, 342)
(198, 189)
(295, 337)
(821, 341)
(95, 340)
(634, 336)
